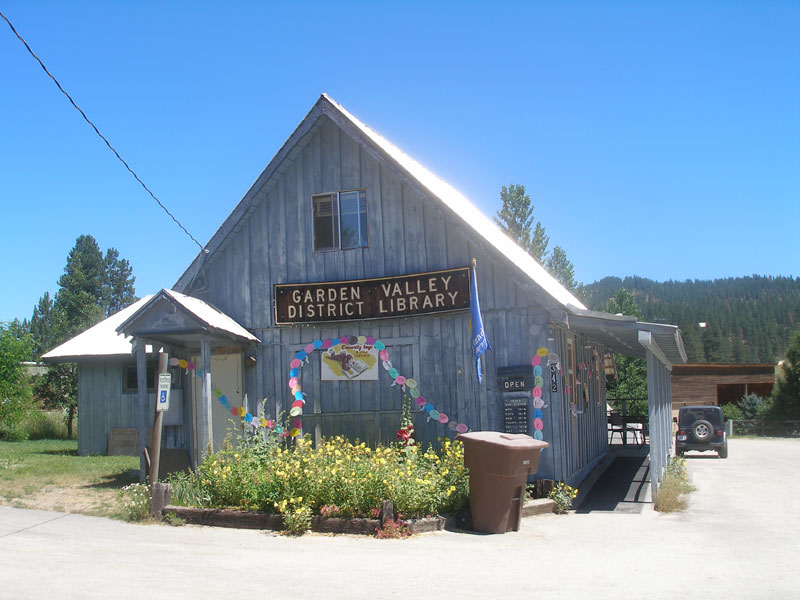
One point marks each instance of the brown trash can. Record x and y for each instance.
(499, 465)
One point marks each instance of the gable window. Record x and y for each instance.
(340, 220)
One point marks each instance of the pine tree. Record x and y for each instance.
(80, 299)
(118, 283)
(560, 267)
(42, 325)
(91, 288)
(516, 220)
(692, 343)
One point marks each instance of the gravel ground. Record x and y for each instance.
(738, 539)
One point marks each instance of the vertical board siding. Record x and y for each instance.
(407, 233)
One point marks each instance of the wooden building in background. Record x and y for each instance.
(719, 383)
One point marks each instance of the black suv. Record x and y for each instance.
(700, 428)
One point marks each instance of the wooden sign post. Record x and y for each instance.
(155, 445)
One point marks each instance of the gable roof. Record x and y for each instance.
(473, 219)
(100, 341)
(207, 318)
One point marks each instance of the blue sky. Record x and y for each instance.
(659, 139)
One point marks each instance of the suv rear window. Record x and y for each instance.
(712, 414)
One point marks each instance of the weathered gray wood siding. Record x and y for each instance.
(103, 405)
(408, 232)
(579, 438)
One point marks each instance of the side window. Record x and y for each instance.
(129, 383)
(340, 220)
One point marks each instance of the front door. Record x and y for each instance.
(226, 374)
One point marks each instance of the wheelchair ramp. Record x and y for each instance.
(623, 487)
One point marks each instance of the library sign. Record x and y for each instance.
(386, 297)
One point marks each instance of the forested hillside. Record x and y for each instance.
(748, 319)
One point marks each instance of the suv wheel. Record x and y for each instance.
(702, 430)
(723, 451)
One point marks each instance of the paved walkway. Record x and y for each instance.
(738, 539)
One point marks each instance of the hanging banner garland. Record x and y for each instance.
(236, 411)
(538, 403)
(407, 384)
(295, 367)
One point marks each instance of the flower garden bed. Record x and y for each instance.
(339, 486)
(266, 482)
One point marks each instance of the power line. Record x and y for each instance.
(97, 131)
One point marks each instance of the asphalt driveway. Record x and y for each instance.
(739, 538)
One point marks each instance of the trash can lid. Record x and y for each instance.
(498, 438)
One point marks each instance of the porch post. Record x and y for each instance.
(205, 409)
(655, 425)
(141, 388)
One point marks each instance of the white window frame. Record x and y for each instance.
(338, 195)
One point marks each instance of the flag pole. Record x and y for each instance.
(479, 340)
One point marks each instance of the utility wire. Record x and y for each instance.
(97, 131)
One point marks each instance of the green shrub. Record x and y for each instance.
(47, 425)
(393, 530)
(731, 412)
(675, 485)
(134, 501)
(750, 406)
(296, 519)
(563, 495)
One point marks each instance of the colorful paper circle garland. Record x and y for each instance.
(538, 403)
(408, 384)
(236, 411)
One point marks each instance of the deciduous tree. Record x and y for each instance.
(630, 384)
(16, 399)
(786, 399)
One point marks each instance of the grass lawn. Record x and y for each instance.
(49, 475)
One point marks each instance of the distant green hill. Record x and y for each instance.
(748, 319)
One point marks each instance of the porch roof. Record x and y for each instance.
(172, 318)
(626, 335)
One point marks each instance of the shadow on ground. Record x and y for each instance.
(117, 480)
(70, 452)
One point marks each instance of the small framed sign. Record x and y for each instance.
(515, 379)
(516, 415)
(164, 384)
